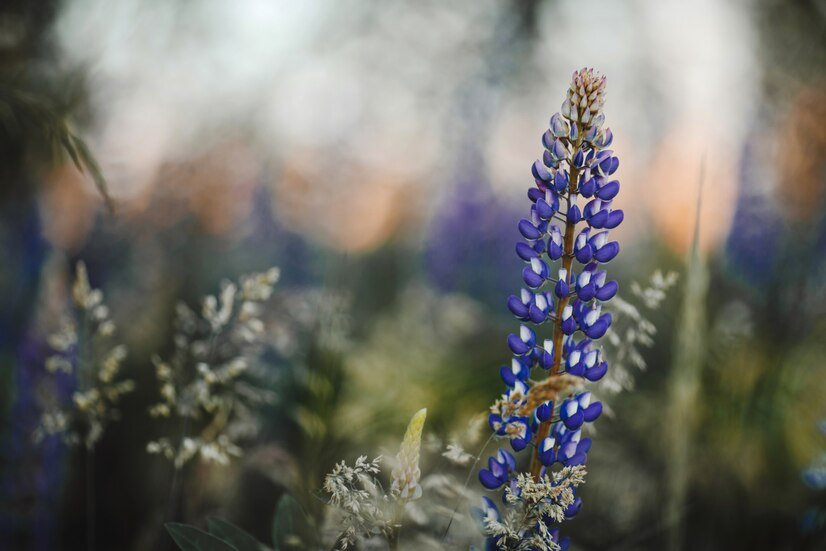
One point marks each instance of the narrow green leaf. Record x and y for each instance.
(88, 160)
(190, 538)
(66, 141)
(234, 535)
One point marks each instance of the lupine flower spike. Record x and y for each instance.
(566, 243)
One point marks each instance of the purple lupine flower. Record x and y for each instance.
(565, 244)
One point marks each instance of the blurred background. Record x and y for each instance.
(379, 155)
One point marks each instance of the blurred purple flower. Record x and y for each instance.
(468, 234)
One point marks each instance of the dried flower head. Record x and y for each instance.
(457, 454)
(204, 384)
(361, 506)
(362, 509)
(83, 351)
(535, 507)
(632, 331)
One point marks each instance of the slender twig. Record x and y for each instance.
(177, 482)
(85, 378)
(465, 485)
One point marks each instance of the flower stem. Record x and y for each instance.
(85, 381)
(567, 261)
(396, 525)
(467, 481)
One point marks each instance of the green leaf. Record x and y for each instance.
(81, 151)
(66, 142)
(234, 535)
(290, 527)
(190, 538)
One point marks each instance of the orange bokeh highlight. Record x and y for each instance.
(67, 205)
(687, 153)
(350, 206)
(801, 150)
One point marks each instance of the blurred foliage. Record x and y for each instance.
(358, 340)
(29, 121)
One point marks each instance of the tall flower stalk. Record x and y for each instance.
(545, 405)
(83, 351)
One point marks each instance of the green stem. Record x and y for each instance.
(396, 526)
(467, 481)
(567, 261)
(85, 378)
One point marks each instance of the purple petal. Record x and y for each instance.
(536, 315)
(579, 159)
(598, 219)
(607, 291)
(518, 444)
(599, 328)
(508, 376)
(607, 138)
(577, 369)
(561, 289)
(597, 372)
(588, 188)
(543, 209)
(516, 306)
(574, 421)
(574, 214)
(525, 251)
(574, 133)
(531, 278)
(547, 457)
(609, 190)
(517, 346)
(607, 252)
(543, 412)
(554, 251)
(540, 172)
(561, 181)
(548, 160)
(528, 230)
(488, 480)
(546, 361)
(614, 219)
(587, 292)
(584, 255)
(548, 139)
(559, 151)
(592, 412)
